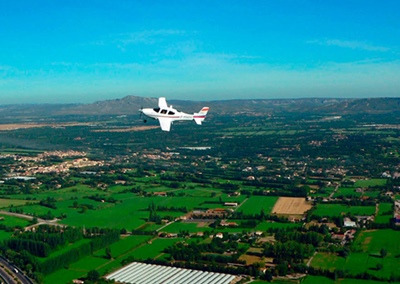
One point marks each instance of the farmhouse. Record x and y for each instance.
(397, 220)
(219, 235)
(228, 224)
(348, 223)
(210, 213)
(216, 212)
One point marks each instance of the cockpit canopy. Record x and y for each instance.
(163, 111)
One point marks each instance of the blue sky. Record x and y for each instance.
(85, 51)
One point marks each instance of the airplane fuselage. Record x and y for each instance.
(166, 115)
(170, 113)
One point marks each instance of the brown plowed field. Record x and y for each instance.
(291, 206)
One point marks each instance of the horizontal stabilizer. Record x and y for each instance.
(201, 115)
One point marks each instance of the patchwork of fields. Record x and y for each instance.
(366, 255)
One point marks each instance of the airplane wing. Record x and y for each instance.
(165, 123)
(162, 103)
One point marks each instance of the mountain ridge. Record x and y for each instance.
(130, 105)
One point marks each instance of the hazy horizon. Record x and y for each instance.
(82, 52)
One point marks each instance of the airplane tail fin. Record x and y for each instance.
(201, 115)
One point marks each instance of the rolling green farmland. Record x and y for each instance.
(93, 173)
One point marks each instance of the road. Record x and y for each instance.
(29, 217)
(13, 275)
(333, 192)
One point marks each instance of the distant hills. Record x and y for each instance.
(129, 105)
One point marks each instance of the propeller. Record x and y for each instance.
(141, 114)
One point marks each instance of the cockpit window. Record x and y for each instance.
(157, 109)
(164, 111)
(171, 113)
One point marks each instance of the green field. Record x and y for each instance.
(63, 276)
(365, 255)
(5, 203)
(88, 263)
(310, 279)
(13, 221)
(124, 245)
(153, 249)
(332, 210)
(264, 226)
(383, 217)
(370, 182)
(5, 235)
(372, 193)
(323, 192)
(347, 192)
(78, 191)
(255, 204)
(176, 227)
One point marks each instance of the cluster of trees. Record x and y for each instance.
(212, 252)
(44, 240)
(182, 209)
(312, 238)
(102, 198)
(260, 217)
(291, 251)
(336, 274)
(154, 217)
(49, 202)
(98, 241)
(293, 246)
(25, 247)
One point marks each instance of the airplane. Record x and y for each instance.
(166, 115)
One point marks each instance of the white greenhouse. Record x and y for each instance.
(141, 273)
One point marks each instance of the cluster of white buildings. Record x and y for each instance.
(28, 164)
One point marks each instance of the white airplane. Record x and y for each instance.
(166, 115)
